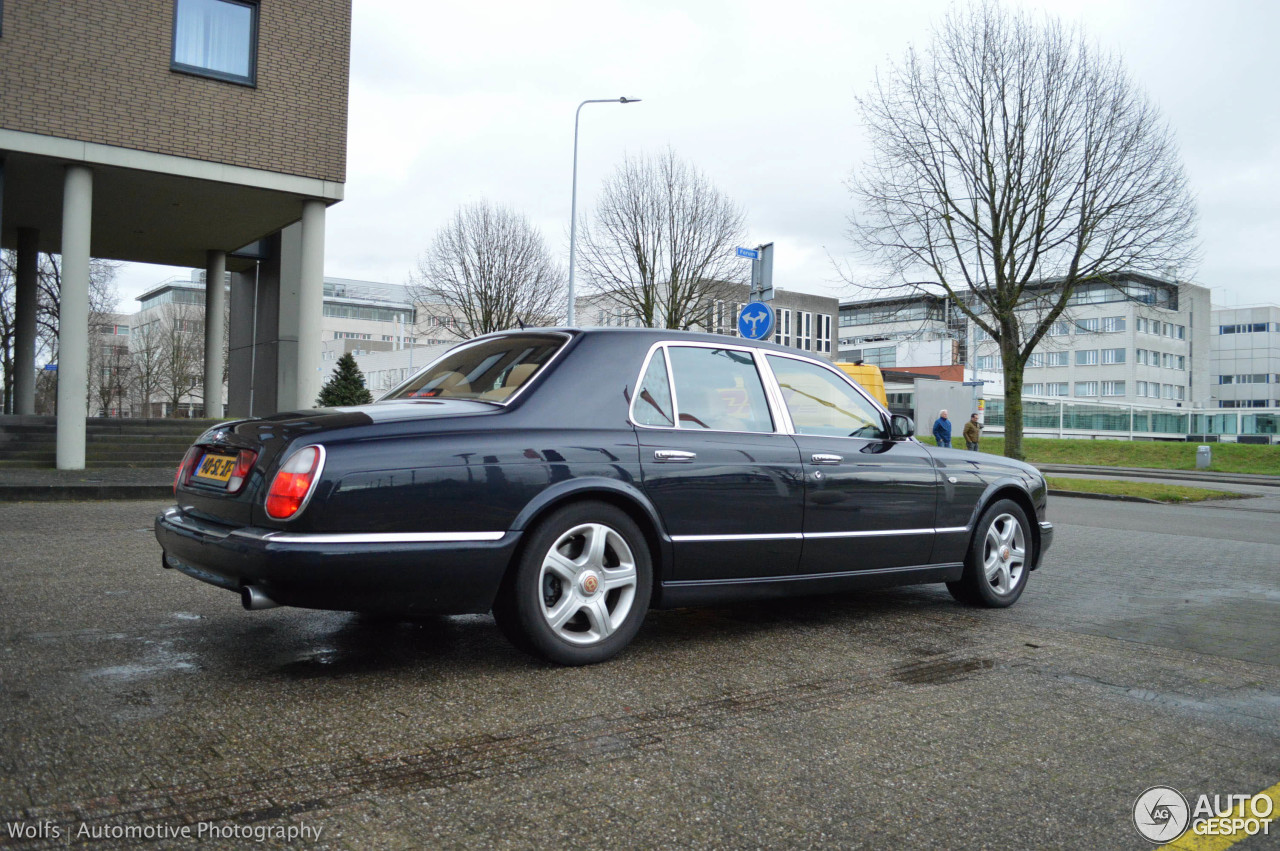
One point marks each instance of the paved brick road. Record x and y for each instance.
(1144, 653)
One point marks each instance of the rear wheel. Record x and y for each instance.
(999, 558)
(581, 587)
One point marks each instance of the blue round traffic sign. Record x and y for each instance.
(755, 322)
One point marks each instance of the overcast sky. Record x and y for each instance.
(453, 103)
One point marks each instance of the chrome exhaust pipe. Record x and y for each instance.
(254, 598)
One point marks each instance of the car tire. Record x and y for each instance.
(999, 559)
(580, 588)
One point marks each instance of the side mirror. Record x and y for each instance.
(902, 427)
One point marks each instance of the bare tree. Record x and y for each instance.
(1013, 161)
(103, 298)
(181, 338)
(661, 244)
(110, 370)
(146, 347)
(488, 270)
(8, 329)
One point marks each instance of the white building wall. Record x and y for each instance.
(1245, 360)
(384, 370)
(1164, 352)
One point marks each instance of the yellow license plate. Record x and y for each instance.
(216, 468)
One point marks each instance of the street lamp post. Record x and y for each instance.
(573, 204)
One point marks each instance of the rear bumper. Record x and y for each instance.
(1046, 541)
(412, 573)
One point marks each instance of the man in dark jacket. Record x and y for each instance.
(942, 430)
(972, 433)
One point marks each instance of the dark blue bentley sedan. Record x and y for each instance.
(567, 480)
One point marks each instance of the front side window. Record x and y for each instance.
(820, 402)
(216, 38)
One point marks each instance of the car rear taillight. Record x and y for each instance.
(244, 463)
(185, 468)
(293, 484)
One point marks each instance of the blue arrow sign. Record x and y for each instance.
(749, 253)
(755, 322)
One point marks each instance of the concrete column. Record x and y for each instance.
(310, 304)
(26, 303)
(215, 300)
(73, 317)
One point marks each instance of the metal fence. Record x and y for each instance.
(1066, 418)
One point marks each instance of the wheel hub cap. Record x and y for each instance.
(590, 583)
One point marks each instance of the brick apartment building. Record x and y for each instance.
(200, 133)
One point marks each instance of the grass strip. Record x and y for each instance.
(1147, 490)
(1156, 455)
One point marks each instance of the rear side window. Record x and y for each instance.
(821, 402)
(490, 370)
(652, 406)
(718, 390)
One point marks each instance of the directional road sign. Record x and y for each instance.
(755, 322)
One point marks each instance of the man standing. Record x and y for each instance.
(942, 430)
(972, 433)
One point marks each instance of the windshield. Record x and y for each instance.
(490, 370)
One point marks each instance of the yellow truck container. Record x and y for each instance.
(869, 377)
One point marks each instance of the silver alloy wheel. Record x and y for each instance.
(587, 583)
(1004, 554)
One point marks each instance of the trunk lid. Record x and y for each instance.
(272, 437)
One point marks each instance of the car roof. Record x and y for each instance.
(664, 334)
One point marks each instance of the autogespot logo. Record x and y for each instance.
(1161, 814)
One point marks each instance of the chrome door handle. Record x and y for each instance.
(826, 458)
(674, 456)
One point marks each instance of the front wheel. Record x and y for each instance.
(581, 587)
(999, 558)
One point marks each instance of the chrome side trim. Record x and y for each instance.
(844, 574)
(276, 537)
(780, 536)
(876, 533)
(792, 536)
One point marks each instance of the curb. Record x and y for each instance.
(1210, 477)
(1114, 497)
(82, 493)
